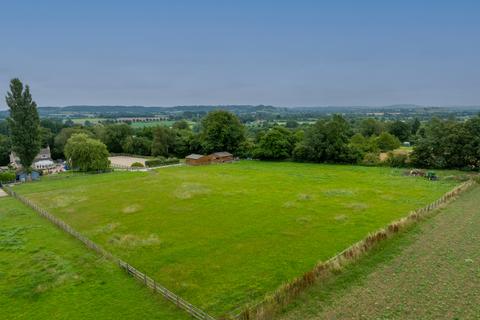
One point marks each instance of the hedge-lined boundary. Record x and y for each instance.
(272, 303)
(194, 311)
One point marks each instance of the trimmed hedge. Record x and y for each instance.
(161, 161)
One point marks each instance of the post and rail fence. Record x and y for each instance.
(181, 303)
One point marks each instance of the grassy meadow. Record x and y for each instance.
(430, 272)
(225, 235)
(166, 123)
(46, 274)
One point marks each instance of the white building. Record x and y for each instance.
(43, 160)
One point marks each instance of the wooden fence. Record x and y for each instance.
(127, 168)
(271, 304)
(283, 295)
(140, 276)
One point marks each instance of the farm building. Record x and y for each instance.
(221, 157)
(197, 159)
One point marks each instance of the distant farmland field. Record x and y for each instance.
(225, 235)
(166, 123)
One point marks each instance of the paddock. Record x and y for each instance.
(125, 161)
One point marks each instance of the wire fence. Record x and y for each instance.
(149, 282)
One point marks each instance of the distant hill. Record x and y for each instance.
(79, 111)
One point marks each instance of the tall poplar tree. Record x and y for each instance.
(24, 123)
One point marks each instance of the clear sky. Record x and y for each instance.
(284, 53)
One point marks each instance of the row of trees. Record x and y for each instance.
(438, 144)
(449, 144)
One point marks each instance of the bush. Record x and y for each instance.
(387, 142)
(371, 159)
(161, 161)
(137, 165)
(7, 176)
(399, 160)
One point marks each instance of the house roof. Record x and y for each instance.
(222, 154)
(43, 154)
(194, 156)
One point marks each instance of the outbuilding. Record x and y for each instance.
(221, 157)
(197, 159)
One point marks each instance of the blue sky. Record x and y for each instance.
(284, 53)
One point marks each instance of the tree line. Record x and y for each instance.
(334, 139)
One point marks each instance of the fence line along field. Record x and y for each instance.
(225, 235)
(430, 272)
(46, 274)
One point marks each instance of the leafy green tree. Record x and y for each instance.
(55, 125)
(24, 123)
(181, 125)
(185, 143)
(115, 135)
(276, 144)
(370, 127)
(163, 141)
(4, 128)
(415, 125)
(137, 145)
(246, 149)
(86, 154)
(387, 142)
(5, 147)
(471, 149)
(61, 139)
(46, 137)
(400, 129)
(365, 145)
(328, 141)
(447, 144)
(221, 131)
(69, 123)
(292, 124)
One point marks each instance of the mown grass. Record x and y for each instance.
(428, 272)
(225, 235)
(46, 274)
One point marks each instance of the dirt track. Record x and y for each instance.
(436, 275)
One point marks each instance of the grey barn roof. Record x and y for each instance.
(195, 156)
(222, 154)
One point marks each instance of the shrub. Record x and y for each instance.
(399, 160)
(371, 159)
(387, 142)
(7, 176)
(161, 161)
(137, 165)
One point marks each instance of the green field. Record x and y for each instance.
(91, 120)
(46, 274)
(165, 123)
(224, 235)
(430, 272)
